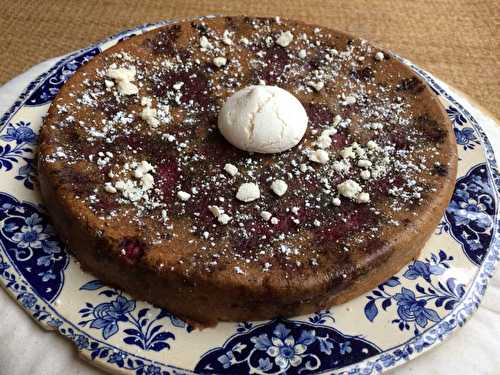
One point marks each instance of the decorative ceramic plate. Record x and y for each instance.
(411, 312)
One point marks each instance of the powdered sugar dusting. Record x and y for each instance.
(139, 141)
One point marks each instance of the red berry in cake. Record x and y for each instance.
(132, 250)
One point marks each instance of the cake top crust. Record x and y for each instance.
(132, 143)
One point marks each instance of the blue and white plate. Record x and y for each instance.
(408, 314)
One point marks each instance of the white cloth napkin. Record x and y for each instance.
(28, 349)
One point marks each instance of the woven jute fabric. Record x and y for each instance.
(457, 40)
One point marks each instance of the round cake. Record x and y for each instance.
(151, 198)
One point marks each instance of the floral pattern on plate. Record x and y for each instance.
(19, 140)
(286, 346)
(470, 215)
(144, 331)
(31, 243)
(413, 305)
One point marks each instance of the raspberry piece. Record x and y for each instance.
(132, 250)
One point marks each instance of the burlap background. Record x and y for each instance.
(457, 40)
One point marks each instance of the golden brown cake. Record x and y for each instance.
(142, 186)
